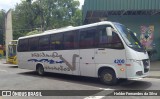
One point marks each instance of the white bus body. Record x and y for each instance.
(87, 50)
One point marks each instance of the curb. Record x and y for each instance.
(158, 77)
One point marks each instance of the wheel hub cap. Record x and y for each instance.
(107, 77)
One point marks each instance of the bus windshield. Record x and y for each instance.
(12, 50)
(129, 37)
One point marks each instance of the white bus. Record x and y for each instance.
(106, 50)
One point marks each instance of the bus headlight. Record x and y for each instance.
(136, 61)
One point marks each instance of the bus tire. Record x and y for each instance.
(40, 70)
(108, 77)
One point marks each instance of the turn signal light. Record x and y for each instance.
(128, 64)
(122, 69)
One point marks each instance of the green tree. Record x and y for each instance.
(45, 14)
(77, 18)
(58, 13)
(2, 26)
(33, 32)
(24, 17)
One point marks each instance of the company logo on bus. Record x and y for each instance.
(119, 61)
(52, 61)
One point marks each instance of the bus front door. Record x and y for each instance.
(87, 62)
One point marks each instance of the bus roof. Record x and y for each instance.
(69, 28)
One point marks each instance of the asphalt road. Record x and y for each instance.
(13, 78)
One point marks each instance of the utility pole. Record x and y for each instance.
(8, 30)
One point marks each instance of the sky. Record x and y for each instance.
(7, 4)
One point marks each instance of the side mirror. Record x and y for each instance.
(109, 31)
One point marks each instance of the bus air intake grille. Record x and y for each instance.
(146, 64)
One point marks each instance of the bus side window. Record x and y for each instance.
(70, 40)
(87, 39)
(33, 44)
(23, 45)
(56, 42)
(105, 41)
(44, 43)
(116, 41)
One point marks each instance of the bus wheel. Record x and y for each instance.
(108, 77)
(40, 70)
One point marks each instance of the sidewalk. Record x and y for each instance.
(154, 70)
(155, 66)
(2, 61)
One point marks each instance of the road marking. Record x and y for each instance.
(1, 70)
(98, 97)
(106, 89)
(137, 79)
(94, 97)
